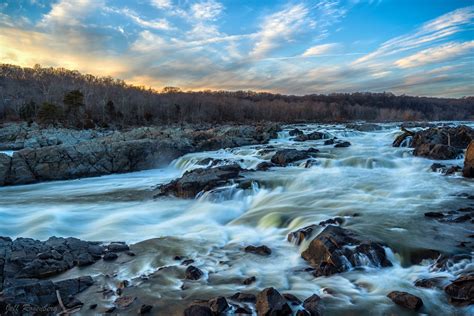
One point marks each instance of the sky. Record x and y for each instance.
(414, 47)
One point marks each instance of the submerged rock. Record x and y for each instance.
(271, 303)
(301, 234)
(296, 132)
(406, 300)
(258, 250)
(197, 180)
(193, 273)
(468, 170)
(342, 145)
(337, 250)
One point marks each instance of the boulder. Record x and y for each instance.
(193, 273)
(437, 151)
(461, 291)
(296, 132)
(271, 303)
(286, 156)
(406, 300)
(198, 310)
(301, 234)
(258, 250)
(468, 170)
(342, 145)
(337, 250)
(364, 127)
(311, 305)
(197, 180)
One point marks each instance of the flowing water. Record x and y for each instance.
(381, 191)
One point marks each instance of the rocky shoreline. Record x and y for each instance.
(66, 275)
(71, 154)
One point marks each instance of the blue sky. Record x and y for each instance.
(416, 47)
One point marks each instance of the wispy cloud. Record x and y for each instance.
(321, 49)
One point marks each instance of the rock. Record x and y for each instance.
(249, 280)
(364, 127)
(310, 136)
(193, 273)
(117, 247)
(301, 234)
(258, 250)
(406, 300)
(242, 310)
(124, 301)
(144, 309)
(343, 144)
(428, 283)
(93, 306)
(197, 180)
(468, 170)
(264, 166)
(418, 255)
(403, 140)
(329, 142)
(244, 297)
(85, 259)
(198, 310)
(187, 262)
(437, 151)
(337, 250)
(292, 299)
(218, 305)
(296, 132)
(461, 291)
(434, 214)
(332, 221)
(110, 256)
(311, 305)
(271, 303)
(437, 167)
(286, 156)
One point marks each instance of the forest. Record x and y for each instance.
(65, 97)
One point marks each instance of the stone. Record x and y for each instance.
(311, 305)
(218, 305)
(406, 300)
(461, 291)
(118, 247)
(193, 273)
(342, 145)
(249, 280)
(144, 309)
(198, 310)
(271, 303)
(468, 170)
(301, 234)
(244, 297)
(110, 256)
(310, 136)
(258, 250)
(286, 156)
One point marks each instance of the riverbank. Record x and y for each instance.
(370, 194)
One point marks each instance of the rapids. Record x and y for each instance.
(388, 188)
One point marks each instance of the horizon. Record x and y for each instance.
(295, 48)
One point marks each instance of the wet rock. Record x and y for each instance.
(468, 170)
(332, 221)
(144, 309)
(301, 234)
(249, 280)
(461, 291)
(85, 259)
(342, 145)
(197, 180)
(218, 305)
(310, 136)
(242, 310)
(264, 166)
(118, 247)
(329, 142)
(428, 283)
(403, 138)
(270, 302)
(418, 255)
(187, 262)
(244, 297)
(336, 250)
(445, 262)
(124, 301)
(292, 299)
(437, 167)
(286, 156)
(110, 256)
(434, 214)
(406, 300)
(258, 250)
(364, 127)
(311, 305)
(437, 151)
(198, 310)
(193, 273)
(296, 132)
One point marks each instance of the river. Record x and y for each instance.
(387, 189)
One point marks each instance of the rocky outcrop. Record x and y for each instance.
(438, 143)
(197, 180)
(406, 300)
(286, 156)
(461, 291)
(468, 170)
(118, 152)
(337, 250)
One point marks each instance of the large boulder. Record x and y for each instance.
(406, 300)
(197, 180)
(461, 291)
(364, 127)
(310, 136)
(337, 250)
(468, 170)
(437, 151)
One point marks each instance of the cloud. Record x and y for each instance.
(438, 54)
(321, 49)
(279, 28)
(70, 12)
(430, 32)
(162, 4)
(206, 10)
(156, 24)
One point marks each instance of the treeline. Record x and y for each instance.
(61, 96)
